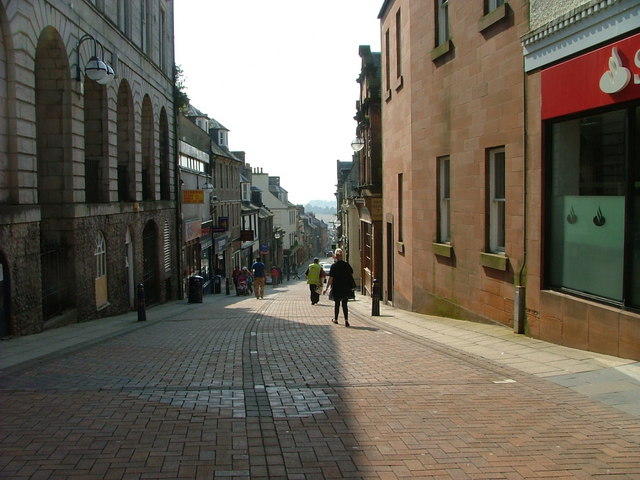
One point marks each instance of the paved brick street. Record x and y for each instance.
(246, 388)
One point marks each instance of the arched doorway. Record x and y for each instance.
(150, 271)
(148, 151)
(165, 169)
(55, 170)
(5, 298)
(126, 145)
(96, 166)
(129, 263)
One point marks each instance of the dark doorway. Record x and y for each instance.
(5, 298)
(390, 251)
(150, 263)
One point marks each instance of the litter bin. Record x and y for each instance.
(195, 289)
(217, 282)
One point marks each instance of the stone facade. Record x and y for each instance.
(545, 11)
(458, 101)
(573, 318)
(83, 161)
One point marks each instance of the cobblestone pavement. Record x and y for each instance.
(270, 388)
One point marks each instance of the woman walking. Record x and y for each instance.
(342, 284)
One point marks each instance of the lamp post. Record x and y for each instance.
(277, 236)
(96, 68)
(213, 211)
(357, 144)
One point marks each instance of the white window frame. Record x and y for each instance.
(497, 200)
(162, 39)
(101, 255)
(222, 138)
(444, 200)
(443, 22)
(493, 4)
(124, 16)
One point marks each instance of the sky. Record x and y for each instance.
(281, 76)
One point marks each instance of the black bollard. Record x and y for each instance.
(375, 299)
(142, 314)
(227, 289)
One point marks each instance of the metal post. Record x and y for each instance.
(142, 315)
(519, 311)
(375, 299)
(227, 289)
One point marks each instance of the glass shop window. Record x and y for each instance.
(593, 206)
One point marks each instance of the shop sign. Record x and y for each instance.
(603, 77)
(221, 243)
(264, 249)
(246, 235)
(192, 230)
(193, 196)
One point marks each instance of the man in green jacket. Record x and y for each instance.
(315, 274)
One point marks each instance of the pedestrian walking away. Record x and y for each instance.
(342, 286)
(234, 275)
(258, 278)
(315, 275)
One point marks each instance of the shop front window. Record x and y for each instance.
(593, 206)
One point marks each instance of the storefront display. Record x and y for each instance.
(591, 110)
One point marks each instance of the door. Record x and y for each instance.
(150, 263)
(5, 298)
(388, 287)
(128, 261)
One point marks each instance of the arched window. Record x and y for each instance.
(101, 270)
(101, 256)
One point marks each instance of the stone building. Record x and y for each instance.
(453, 156)
(87, 165)
(368, 148)
(196, 191)
(582, 61)
(348, 215)
(226, 209)
(511, 183)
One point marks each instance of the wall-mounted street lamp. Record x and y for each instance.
(207, 184)
(96, 68)
(357, 144)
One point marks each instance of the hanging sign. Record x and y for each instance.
(606, 76)
(193, 196)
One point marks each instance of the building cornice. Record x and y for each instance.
(578, 30)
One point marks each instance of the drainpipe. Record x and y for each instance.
(178, 194)
(520, 296)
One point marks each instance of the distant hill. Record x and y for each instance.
(326, 207)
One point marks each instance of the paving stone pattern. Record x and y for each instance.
(272, 389)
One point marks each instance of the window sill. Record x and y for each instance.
(400, 247)
(493, 17)
(496, 261)
(103, 306)
(387, 95)
(441, 50)
(442, 249)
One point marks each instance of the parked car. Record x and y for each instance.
(326, 267)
